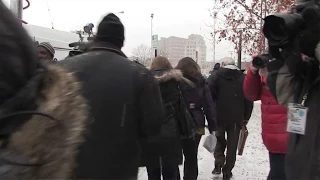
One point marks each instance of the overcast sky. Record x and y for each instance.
(171, 18)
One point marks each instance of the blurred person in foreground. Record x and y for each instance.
(46, 51)
(294, 80)
(202, 107)
(274, 120)
(42, 114)
(233, 110)
(163, 153)
(125, 103)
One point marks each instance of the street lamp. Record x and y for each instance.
(120, 12)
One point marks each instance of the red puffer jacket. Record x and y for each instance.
(274, 116)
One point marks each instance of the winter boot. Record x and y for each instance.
(227, 176)
(217, 169)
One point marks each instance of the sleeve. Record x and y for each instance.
(252, 86)
(151, 107)
(248, 104)
(248, 107)
(212, 82)
(209, 109)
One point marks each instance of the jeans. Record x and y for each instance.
(190, 152)
(276, 166)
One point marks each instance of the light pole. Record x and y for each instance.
(120, 12)
(151, 28)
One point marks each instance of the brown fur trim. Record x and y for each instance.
(52, 143)
(173, 74)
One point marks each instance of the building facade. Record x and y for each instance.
(175, 48)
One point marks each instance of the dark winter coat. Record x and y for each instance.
(204, 107)
(231, 105)
(52, 144)
(303, 154)
(274, 116)
(167, 142)
(125, 106)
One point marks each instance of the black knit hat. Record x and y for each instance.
(111, 30)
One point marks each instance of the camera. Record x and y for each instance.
(261, 61)
(281, 29)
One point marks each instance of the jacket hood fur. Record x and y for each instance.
(53, 144)
(173, 74)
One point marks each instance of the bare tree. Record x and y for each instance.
(143, 53)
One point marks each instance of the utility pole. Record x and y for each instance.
(151, 28)
(240, 50)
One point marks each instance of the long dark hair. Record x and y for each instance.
(21, 72)
(189, 68)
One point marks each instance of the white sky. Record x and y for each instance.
(171, 18)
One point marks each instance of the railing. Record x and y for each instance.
(26, 7)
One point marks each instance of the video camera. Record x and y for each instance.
(281, 29)
(261, 61)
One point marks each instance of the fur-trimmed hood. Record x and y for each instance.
(52, 143)
(173, 74)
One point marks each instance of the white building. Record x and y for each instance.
(176, 48)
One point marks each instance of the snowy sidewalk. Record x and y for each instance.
(252, 165)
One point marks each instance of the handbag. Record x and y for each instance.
(188, 126)
(242, 139)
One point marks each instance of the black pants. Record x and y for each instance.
(276, 166)
(228, 161)
(162, 166)
(190, 152)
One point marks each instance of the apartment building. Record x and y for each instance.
(176, 48)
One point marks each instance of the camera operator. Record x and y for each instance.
(294, 81)
(273, 115)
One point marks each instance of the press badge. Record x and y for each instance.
(297, 118)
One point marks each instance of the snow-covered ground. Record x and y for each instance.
(252, 165)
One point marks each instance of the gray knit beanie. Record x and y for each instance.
(48, 47)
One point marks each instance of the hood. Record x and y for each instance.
(173, 74)
(229, 72)
(41, 139)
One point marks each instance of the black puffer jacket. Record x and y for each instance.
(125, 106)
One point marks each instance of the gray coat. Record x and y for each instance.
(303, 155)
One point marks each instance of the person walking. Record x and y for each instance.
(233, 109)
(202, 107)
(125, 105)
(163, 153)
